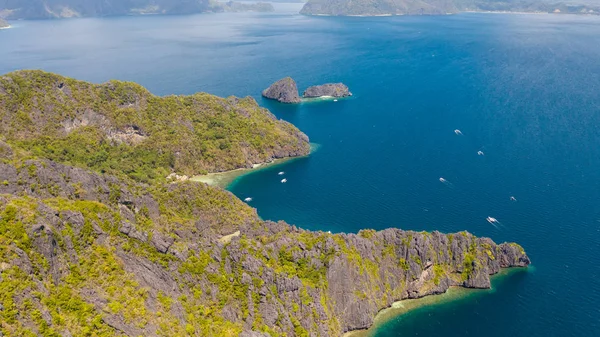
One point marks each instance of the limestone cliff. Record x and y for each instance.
(285, 91)
(121, 128)
(87, 245)
(82, 250)
(328, 89)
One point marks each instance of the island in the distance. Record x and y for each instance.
(441, 7)
(3, 24)
(286, 91)
(96, 235)
(58, 9)
(235, 6)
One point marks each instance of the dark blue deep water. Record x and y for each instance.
(524, 89)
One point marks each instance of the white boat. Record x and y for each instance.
(491, 220)
(443, 180)
(281, 173)
(248, 199)
(480, 153)
(283, 181)
(513, 198)
(458, 132)
(335, 100)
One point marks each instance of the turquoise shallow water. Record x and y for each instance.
(524, 89)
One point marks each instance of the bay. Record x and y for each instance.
(523, 89)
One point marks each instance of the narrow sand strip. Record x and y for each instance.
(224, 179)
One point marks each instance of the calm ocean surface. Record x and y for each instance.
(523, 89)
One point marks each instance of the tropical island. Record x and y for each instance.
(96, 235)
(441, 7)
(58, 9)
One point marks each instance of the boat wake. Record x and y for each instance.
(494, 222)
(446, 182)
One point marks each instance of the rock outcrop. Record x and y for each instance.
(145, 259)
(327, 90)
(284, 91)
(3, 24)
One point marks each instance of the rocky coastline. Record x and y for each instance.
(122, 252)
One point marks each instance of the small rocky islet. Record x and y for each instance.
(94, 237)
(286, 91)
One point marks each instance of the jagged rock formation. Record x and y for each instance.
(284, 91)
(441, 7)
(129, 130)
(329, 90)
(142, 261)
(83, 250)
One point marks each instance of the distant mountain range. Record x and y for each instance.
(52, 9)
(47, 9)
(440, 7)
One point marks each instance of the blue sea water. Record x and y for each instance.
(523, 89)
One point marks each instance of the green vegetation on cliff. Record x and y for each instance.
(120, 128)
(89, 248)
(442, 7)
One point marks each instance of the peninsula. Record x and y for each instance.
(441, 7)
(95, 237)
